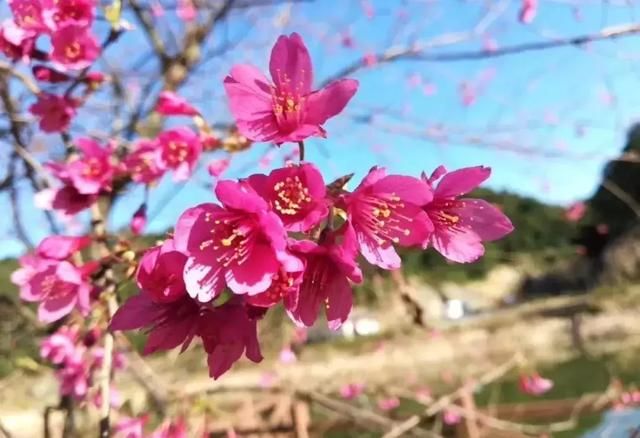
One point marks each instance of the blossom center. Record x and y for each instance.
(288, 102)
(177, 153)
(52, 287)
(142, 165)
(384, 221)
(441, 213)
(73, 50)
(93, 168)
(229, 241)
(281, 286)
(291, 196)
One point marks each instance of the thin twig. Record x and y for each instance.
(26, 80)
(623, 196)
(447, 400)
(4, 431)
(418, 52)
(363, 417)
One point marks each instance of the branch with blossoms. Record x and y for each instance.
(284, 238)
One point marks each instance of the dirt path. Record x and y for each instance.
(416, 358)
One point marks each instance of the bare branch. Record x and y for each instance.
(417, 52)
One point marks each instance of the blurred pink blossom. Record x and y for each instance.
(352, 391)
(575, 211)
(389, 403)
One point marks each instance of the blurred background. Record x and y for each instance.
(544, 92)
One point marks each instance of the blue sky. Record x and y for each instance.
(565, 110)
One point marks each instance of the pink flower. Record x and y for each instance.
(227, 333)
(429, 89)
(60, 347)
(351, 391)
(171, 429)
(284, 287)
(119, 360)
(217, 167)
(59, 287)
(528, 11)
(346, 40)
(169, 324)
(386, 210)
(61, 247)
(186, 11)
(242, 244)
(28, 14)
(287, 110)
(179, 150)
(287, 356)
(370, 59)
(468, 93)
(63, 12)
(139, 220)
(93, 172)
(74, 47)
(368, 9)
(388, 404)
(142, 164)
(130, 427)
(157, 9)
(300, 336)
(296, 193)
(170, 104)
(328, 269)
(490, 44)
(69, 201)
(461, 225)
(74, 377)
(450, 417)
(15, 42)
(268, 379)
(50, 75)
(55, 112)
(160, 273)
(94, 79)
(424, 395)
(209, 142)
(575, 212)
(533, 384)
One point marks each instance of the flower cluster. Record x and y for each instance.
(77, 359)
(288, 237)
(51, 277)
(73, 48)
(95, 169)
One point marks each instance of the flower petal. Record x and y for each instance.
(487, 221)
(203, 282)
(407, 188)
(339, 301)
(384, 257)
(290, 65)
(330, 101)
(138, 311)
(255, 274)
(52, 309)
(461, 181)
(461, 246)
